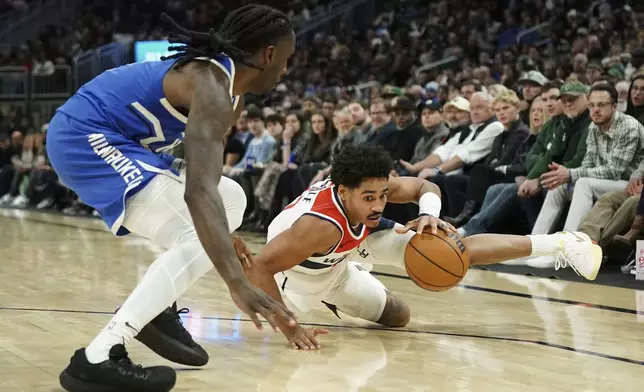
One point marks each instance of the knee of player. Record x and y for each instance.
(234, 200)
(396, 312)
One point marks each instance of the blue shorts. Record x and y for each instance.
(102, 166)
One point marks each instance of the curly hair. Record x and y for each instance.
(354, 164)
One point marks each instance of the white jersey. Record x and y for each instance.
(322, 201)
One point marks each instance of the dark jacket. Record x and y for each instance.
(561, 140)
(506, 144)
(400, 144)
(518, 166)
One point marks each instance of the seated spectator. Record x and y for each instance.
(233, 149)
(347, 135)
(260, 148)
(275, 126)
(614, 212)
(16, 172)
(613, 152)
(318, 156)
(360, 120)
(436, 132)
(380, 120)
(531, 83)
(498, 166)
(463, 150)
(637, 227)
(43, 189)
(560, 140)
(469, 87)
(275, 182)
(401, 142)
(635, 102)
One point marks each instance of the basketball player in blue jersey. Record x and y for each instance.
(345, 213)
(109, 143)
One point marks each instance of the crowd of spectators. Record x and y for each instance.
(526, 135)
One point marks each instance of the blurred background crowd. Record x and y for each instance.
(527, 113)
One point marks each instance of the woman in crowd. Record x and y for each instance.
(318, 155)
(275, 183)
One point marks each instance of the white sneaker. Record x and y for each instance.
(578, 251)
(541, 262)
(19, 201)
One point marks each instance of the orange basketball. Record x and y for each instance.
(436, 262)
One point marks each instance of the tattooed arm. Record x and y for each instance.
(210, 115)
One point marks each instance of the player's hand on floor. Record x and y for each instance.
(253, 301)
(305, 338)
(243, 253)
(425, 222)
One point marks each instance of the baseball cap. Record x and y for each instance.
(535, 77)
(404, 103)
(433, 104)
(459, 103)
(573, 88)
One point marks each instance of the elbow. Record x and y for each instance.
(433, 188)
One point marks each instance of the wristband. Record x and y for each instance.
(429, 204)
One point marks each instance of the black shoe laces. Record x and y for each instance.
(121, 362)
(174, 316)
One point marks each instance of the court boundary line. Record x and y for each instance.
(374, 328)
(465, 286)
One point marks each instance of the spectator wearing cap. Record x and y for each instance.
(401, 142)
(565, 146)
(635, 102)
(456, 114)
(463, 150)
(614, 149)
(436, 133)
(501, 165)
(531, 83)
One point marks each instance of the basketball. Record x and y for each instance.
(436, 262)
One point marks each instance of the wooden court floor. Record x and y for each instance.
(62, 277)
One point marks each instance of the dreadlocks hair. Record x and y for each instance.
(243, 31)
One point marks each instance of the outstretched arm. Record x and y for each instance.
(428, 197)
(287, 250)
(210, 114)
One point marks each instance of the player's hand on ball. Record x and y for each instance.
(252, 301)
(243, 253)
(305, 338)
(420, 224)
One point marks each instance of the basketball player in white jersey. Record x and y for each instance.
(316, 245)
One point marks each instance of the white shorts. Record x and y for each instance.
(349, 286)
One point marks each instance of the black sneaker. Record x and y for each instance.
(117, 374)
(166, 336)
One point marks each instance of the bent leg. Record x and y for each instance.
(158, 212)
(363, 296)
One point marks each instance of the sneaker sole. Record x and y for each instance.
(597, 255)
(72, 384)
(171, 349)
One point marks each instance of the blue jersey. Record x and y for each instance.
(132, 102)
(113, 136)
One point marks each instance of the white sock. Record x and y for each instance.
(461, 231)
(166, 279)
(543, 245)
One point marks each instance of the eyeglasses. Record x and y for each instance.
(599, 105)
